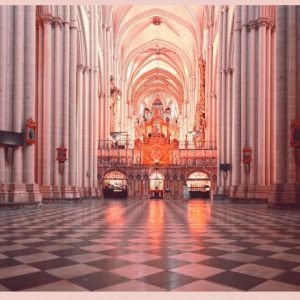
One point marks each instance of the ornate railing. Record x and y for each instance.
(129, 144)
(122, 154)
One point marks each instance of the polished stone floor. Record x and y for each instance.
(149, 245)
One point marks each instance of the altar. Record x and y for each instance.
(154, 141)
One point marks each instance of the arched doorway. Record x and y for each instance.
(156, 185)
(115, 185)
(199, 185)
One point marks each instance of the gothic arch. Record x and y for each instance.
(149, 13)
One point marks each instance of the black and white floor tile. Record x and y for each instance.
(149, 245)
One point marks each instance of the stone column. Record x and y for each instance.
(39, 80)
(47, 106)
(124, 105)
(273, 106)
(298, 88)
(79, 152)
(243, 95)
(261, 111)
(18, 96)
(223, 95)
(96, 132)
(268, 112)
(236, 104)
(281, 87)
(72, 103)
(292, 86)
(85, 153)
(209, 79)
(219, 105)
(107, 81)
(91, 99)
(30, 101)
(57, 104)
(228, 123)
(104, 122)
(96, 109)
(91, 131)
(253, 108)
(213, 117)
(281, 109)
(90, 125)
(3, 49)
(212, 99)
(101, 116)
(207, 85)
(66, 190)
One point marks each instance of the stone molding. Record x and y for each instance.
(45, 19)
(57, 21)
(229, 70)
(80, 68)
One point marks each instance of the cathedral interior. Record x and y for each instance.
(149, 148)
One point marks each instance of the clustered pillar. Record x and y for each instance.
(262, 111)
(67, 105)
(286, 188)
(18, 50)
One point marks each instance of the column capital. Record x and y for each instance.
(106, 27)
(245, 26)
(45, 19)
(85, 68)
(263, 22)
(229, 70)
(80, 67)
(73, 24)
(237, 26)
(210, 24)
(57, 21)
(252, 25)
(271, 26)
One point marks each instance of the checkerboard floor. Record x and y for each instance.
(149, 245)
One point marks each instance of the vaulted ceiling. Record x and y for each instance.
(158, 49)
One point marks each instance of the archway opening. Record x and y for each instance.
(156, 185)
(115, 185)
(199, 185)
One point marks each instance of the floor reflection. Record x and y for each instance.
(114, 214)
(198, 216)
(149, 245)
(156, 221)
